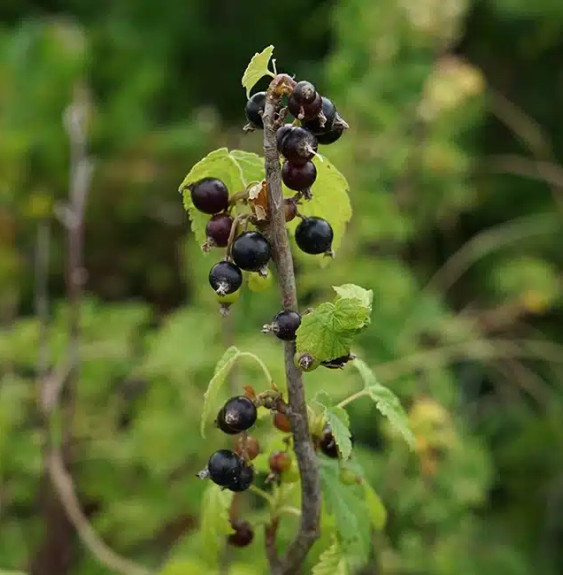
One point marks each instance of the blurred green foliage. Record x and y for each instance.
(456, 129)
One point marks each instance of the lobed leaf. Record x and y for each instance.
(353, 291)
(339, 421)
(331, 562)
(215, 524)
(257, 68)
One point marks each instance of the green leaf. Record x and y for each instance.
(331, 562)
(338, 419)
(350, 314)
(256, 69)
(330, 202)
(182, 567)
(386, 402)
(235, 168)
(214, 522)
(352, 291)
(222, 370)
(376, 509)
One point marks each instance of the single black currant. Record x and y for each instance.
(331, 136)
(210, 195)
(218, 229)
(251, 251)
(279, 461)
(238, 414)
(225, 278)
(281, 422)
(304, 92)
(305, 111)
(255, 109)
(224, 467)
(298, 145)
(299, 177)
(282, 133)
(320, 125)
(314, 235)
(285, 324)
(243, 480)
(243, 534)
(328, 444)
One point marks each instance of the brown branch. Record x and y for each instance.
(308, 530)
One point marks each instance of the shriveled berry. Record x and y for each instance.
(251, 251)
(238, 414)
(243, 534)
(304, 92)
(255, 109)
(225, 278)
(279, 461)
(314, 235)
(299, 177)
(281, 421)
(210, 195)
(290, 208)
(329, 113)
(224, 466)
(218, 229)
(285, 324)
(243, 480)
(298, 145)
(305, 111)
(251, 446)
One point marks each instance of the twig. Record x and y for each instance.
(308, 530)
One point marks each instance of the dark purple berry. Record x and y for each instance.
(225, 278)
(224, 467)
(285, 324)
(251, 251)
(304, 92)
(299, 177)
(331, 136)
(243, 534)
(306, 111)
(210, 195)
(298, 145)
(314, 235)
(255, 109)
(243, 480)
(282, 133)
(218, 229)
(238, 414)
(328, 444)
(329, 113)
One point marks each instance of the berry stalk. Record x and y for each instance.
(308, 530)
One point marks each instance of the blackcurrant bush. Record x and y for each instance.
(290, 208)
(298, 145)
(331, 136)
(314, 235)
(251, 251)
(279, 461)
(251, 447)
(243, 480)
(255, 109)
(306, 111)
(328, 444)
(316, 126)
(304, 92)
(285, 324)
(243, 534)
(225, 278)
(238, 414)
(299, 177)
(224, 467)
(218, 229)
(281, 422)
(210, 195)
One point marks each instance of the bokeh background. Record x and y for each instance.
(453, 158)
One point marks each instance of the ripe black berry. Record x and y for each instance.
(243, 480)
(328, 444)
(304, 92)
(331, 136)
(218, 229)
(238, 414)
(282, 133)
(281, 421)
(225, 278)
(299, 177)
(243, 534)
(298, 145)
(329, 113)
(210, 195)
(285, 324)
(279, 461)
(224, 467)
(255, 109)
(251, 251)
(314, 235)
(306, 111)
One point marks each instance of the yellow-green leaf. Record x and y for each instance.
(214, 522)
(257, 68)
(331, 562)
(376, 509)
